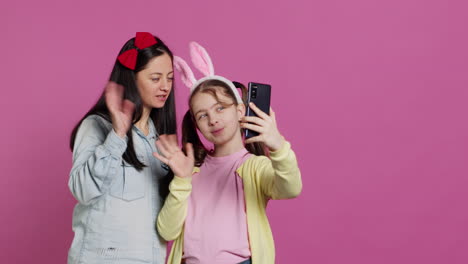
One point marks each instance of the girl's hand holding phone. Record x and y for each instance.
(265, 125)
(174, 157)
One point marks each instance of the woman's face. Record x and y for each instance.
(155, 81)
(217, 121)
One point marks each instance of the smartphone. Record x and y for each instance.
(259, 94)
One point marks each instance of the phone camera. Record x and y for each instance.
(254, 92)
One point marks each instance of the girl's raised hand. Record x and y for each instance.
(121, 110)
(174, 157)
(265, 125)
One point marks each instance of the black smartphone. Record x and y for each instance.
(260, 95)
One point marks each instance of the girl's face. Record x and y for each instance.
(217, 121)
(155, 81)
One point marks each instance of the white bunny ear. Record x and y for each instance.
(186, 73)
(201, 59)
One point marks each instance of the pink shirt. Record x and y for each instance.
(216, 223)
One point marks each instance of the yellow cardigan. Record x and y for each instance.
(277, 177)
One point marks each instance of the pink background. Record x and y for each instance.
(371, 94)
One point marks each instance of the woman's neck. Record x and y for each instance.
(142, 124)
(230, 147)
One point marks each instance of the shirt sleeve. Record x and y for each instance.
(279, 176)
(172, 216)
(97, 155)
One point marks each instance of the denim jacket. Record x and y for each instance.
(114, 220)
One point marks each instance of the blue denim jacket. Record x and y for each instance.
(114, 220)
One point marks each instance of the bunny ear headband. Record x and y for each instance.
(202, 61)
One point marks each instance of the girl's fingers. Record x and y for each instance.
(254, 119)
(253, 127)
(160, 146)
(172, 139)
(259, 112)
(254, 139)
(272, 114)
(161, 158)
(169, 142)
(189, 148)
(165, 142)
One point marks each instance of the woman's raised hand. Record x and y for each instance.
(121, 110)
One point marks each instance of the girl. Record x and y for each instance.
(118, 184)
(215, 212)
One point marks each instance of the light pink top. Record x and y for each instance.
(216, 223)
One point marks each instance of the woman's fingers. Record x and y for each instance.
(128, 107)
(114, 95)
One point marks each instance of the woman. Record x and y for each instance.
(119, 185)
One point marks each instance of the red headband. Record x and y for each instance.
(142, 40)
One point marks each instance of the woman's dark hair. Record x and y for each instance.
(189, 127)
(164, 118)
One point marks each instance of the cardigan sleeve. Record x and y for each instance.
(172, 216)
(279, 176)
